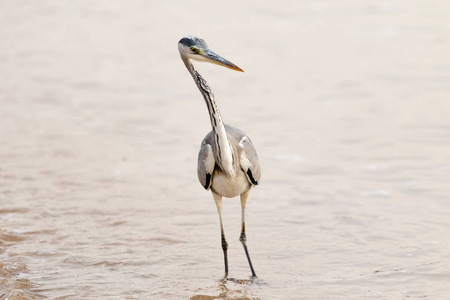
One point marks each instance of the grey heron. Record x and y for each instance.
(227, 161)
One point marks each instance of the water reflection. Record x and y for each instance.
(233, 289)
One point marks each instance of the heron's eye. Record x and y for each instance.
(194, 50)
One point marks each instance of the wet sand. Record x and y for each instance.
(348, 107)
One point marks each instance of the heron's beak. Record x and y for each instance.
(219, 60)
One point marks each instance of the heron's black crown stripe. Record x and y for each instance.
(191, 41)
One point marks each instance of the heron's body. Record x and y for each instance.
(227, 161)
(221, 182)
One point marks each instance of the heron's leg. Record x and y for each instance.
(218, 200)
(243, 238)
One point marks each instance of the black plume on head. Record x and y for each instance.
(190, 41)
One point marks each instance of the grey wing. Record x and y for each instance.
(205, 164)
(249, 160)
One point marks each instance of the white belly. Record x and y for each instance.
(228, 187)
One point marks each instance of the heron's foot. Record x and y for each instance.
(257, 281)
(252, 281)
(239, 281)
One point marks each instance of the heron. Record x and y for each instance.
(227, 161)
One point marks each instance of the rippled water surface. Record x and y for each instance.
(347, 104)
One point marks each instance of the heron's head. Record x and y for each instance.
(195, 48)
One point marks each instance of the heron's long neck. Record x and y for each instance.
(224, 150)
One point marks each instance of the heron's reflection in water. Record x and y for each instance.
(243, 291)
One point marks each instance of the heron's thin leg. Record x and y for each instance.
(243, 238)
(218, 200)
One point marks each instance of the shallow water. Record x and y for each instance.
(346, 103)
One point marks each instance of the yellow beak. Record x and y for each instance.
(219, 60)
